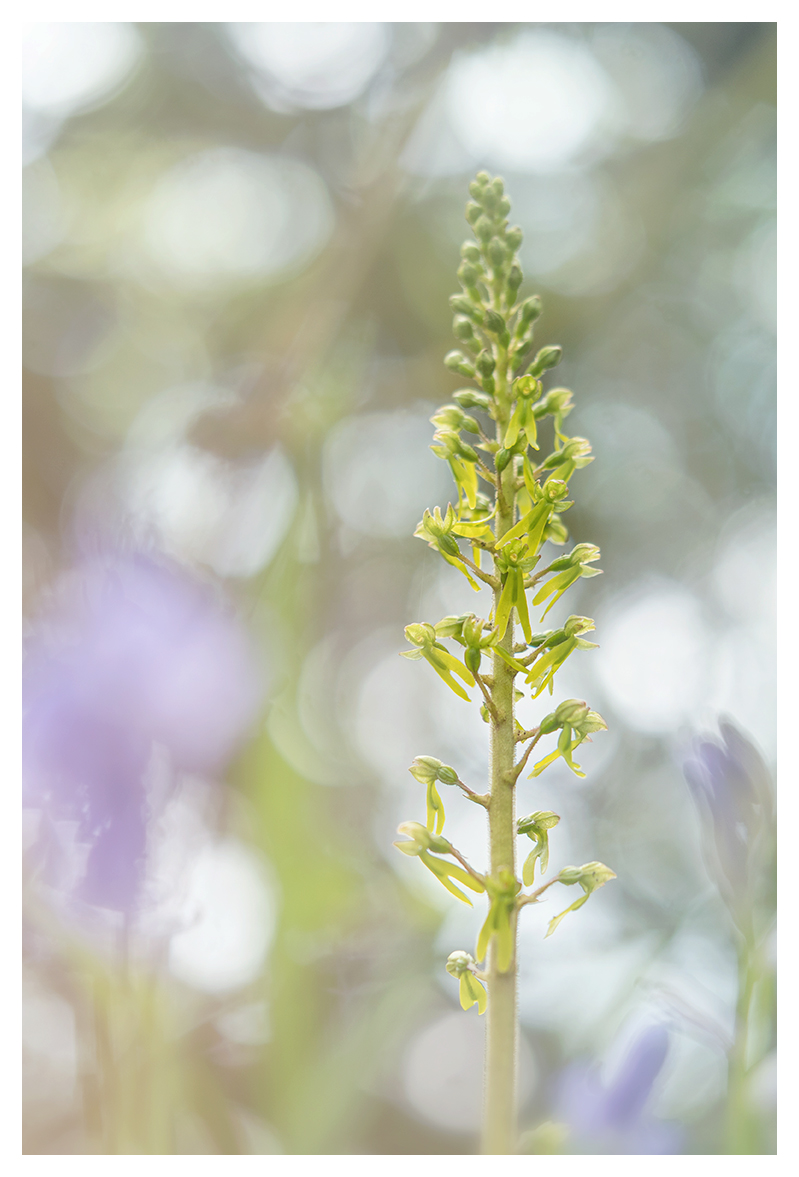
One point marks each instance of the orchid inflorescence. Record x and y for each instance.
(510, 501)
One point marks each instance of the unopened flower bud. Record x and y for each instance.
(547, 357)
(468, 275)
(483, 229)
(455, 445)
(501, 459)
(530, 309)
(555, 459)
(473, 212)
(464, 306)
(472, 630)
(425, 768)
(575, 453)
(450, 627)
(515, 278)
(514, 237)
(470, 252)
(496, 253)
(448, 417)
(462, 329)
(485, 363)
(456, 361)
(503, 207)
(494, 322)
(571, 711)
(469, 398)
(557, 400)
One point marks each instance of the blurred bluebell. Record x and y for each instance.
(731, 785)
(612, 1117)
(134, 654)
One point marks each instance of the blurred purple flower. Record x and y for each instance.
(731, 786)
(611, 1118)
(135, 653)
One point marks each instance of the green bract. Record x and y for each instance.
(512, 473)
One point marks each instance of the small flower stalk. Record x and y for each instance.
(510, 498)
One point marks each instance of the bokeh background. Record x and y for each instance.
(239, 240)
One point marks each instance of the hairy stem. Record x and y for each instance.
(499, 1128)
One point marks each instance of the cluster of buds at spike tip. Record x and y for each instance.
(489, 324)
(510, 503)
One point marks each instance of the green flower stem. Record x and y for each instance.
(519, 769)
(483, 799)
(486, 577)
(534, 896)
(499, 1127)
(457, 854)
(494, 353)
(523, 736)
(739, 1120)
(488, 696)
